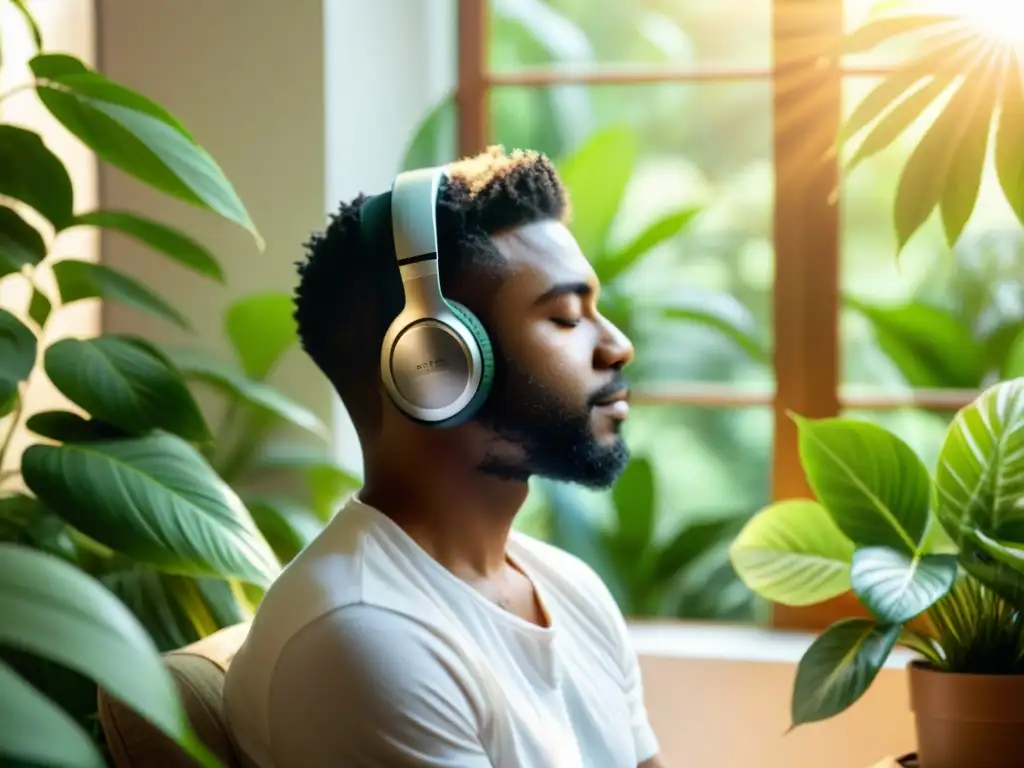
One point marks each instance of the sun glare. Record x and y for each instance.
(1003, 20)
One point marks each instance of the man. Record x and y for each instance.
(419, 629)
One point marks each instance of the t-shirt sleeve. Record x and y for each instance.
(644, 739)
(364, 687)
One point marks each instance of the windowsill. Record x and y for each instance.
(722, 642)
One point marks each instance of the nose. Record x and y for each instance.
(614, 350)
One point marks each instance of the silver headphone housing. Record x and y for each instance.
(430, 362)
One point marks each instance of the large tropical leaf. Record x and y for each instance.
(256, 394)
(167, 240)
(723, 313)
(793, 553)
(595, 176)
(25, 714)
(119, 382)
(287, 526)
(980, 474)
(55, 611)
(872, 483)
(20, 243)
(31, 173)
(634, 497)
(77, 280)
(261, 327)
(17, 357)
(131, 132)
(68, 427)
(610, 265)
(154, 499)
(839, 667)
(930, 346)
(328, 481)
(931, 167)
(896, 586)
(1009, 155)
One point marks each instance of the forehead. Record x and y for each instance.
(541, 255)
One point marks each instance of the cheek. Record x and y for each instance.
(557, 357)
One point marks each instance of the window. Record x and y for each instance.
(735, 105)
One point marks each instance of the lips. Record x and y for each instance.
(616, 406)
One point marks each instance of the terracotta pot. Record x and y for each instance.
(967, 720)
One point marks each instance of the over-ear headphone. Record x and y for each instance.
(436, 360)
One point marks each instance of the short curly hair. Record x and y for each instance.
(349, 291)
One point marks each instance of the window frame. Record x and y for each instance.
(807, 230)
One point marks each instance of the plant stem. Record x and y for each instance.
(9, 437)
(17, 89)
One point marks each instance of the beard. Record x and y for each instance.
(551, 436)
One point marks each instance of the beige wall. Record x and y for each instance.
(714, 713)
(246, 78)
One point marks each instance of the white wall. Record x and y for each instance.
(386, 64)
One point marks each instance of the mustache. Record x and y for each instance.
(613, 387)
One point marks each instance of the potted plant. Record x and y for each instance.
(936, 558)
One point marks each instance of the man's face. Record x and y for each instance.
(559, 397)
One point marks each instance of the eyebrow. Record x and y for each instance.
(579, 288)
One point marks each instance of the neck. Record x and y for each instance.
(457, 514)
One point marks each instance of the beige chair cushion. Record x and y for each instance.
(198, 672)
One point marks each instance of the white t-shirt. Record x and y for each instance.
(368, 652)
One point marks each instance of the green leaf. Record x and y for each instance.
(39, 307)
(30, 20)
(327, 481)
(924, 178)
(895, 586)
(25, 715)
(67, 427)
(878, 31)
(125, 130)
(610, 265)
(999, 343)
(1013, 363)
(595, 177)
(980, 473)
(262, 328)
(725, 314)
(997, 564)
(939, 66)
(930, 346)
(253, 393)
(53, 66)
(77, 280)
(31, 173)
(20, 243)
(55, 611)
(147, 594)
(17, 349)
(153, 499)
(1009, 154)
(690, 543)
(287, 526)
(963, 177)
(25, 520)
(73, 74)
(159, 237)
(633, 497)
(118, 382)
(872, 483)
(839, 667)
(433, 141)
(793, 553)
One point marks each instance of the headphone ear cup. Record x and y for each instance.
(483, 341)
